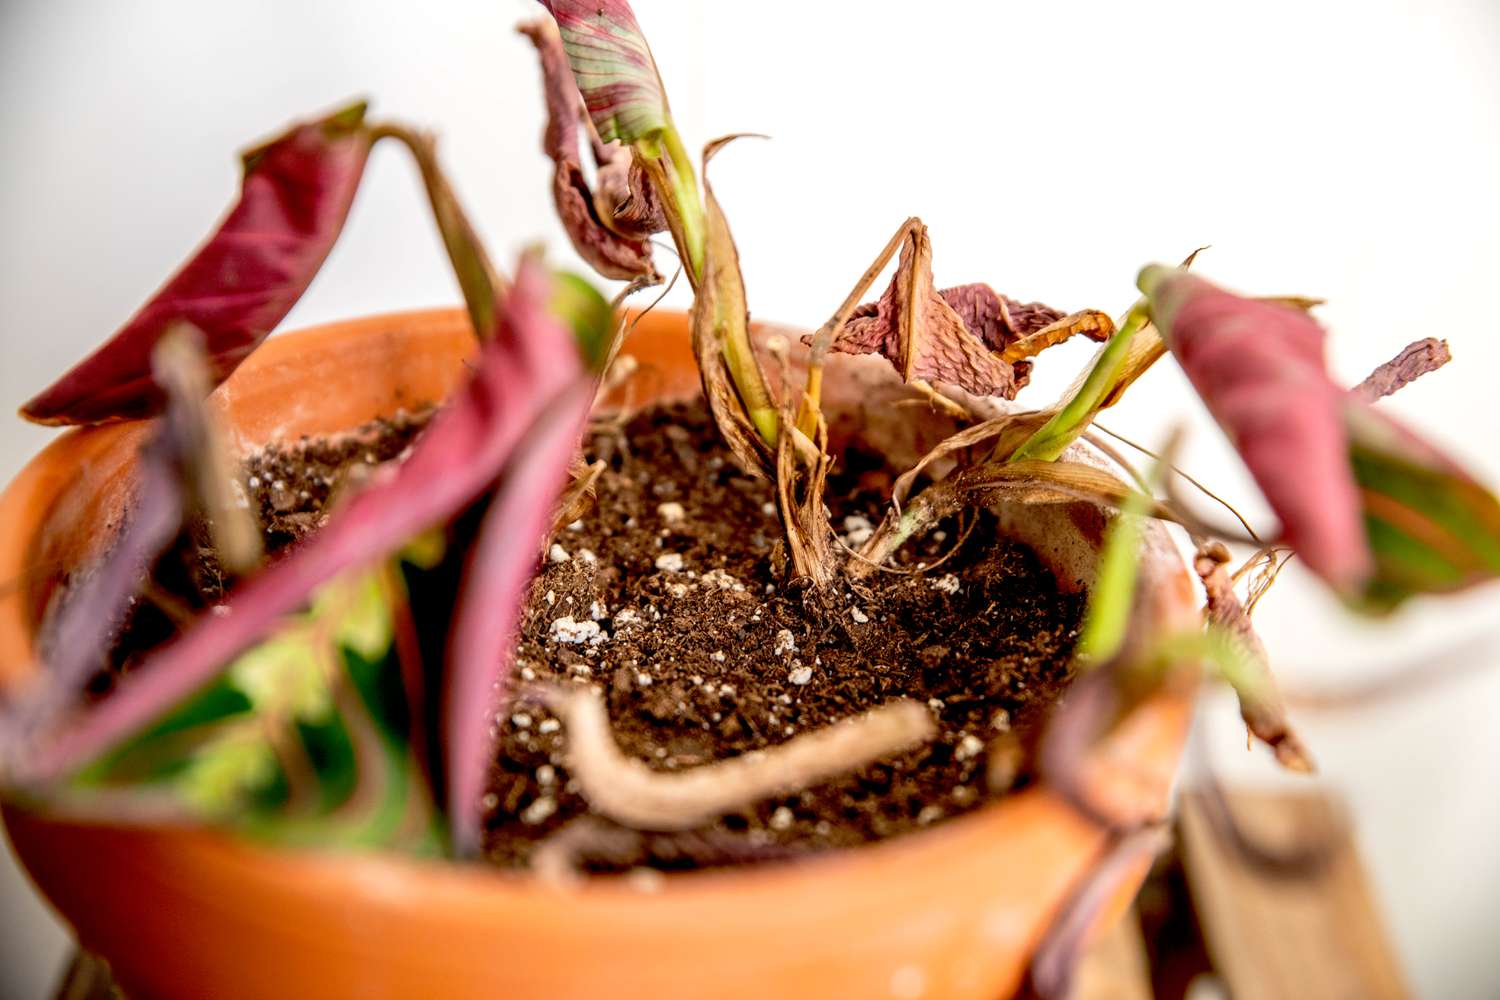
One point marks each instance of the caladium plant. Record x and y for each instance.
(344, 693)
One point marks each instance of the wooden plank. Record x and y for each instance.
(1312, 932)
(1115, 967)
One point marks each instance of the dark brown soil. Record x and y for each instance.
(668, 598)
(675, 586)
(289, 486)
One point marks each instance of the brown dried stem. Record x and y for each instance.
(1260, 703)
(1414, 361)
(628, 792)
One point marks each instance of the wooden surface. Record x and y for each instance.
(1313, 932)
(1115, 968)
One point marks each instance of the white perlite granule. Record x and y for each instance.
(567, 629)
(539, 810)
(800, 675)
(669, 562)
(671, 512)
(857, 529)
(557, 553)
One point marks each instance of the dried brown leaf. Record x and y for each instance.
(917, 329)
(720, 314)
(1260, 702)
(1091, 323)
(623, 195)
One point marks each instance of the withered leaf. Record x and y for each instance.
(607, 251)
(1260, 703)
(623, 195)
(957, 335)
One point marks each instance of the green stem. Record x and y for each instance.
(683, 182)
(1073, 417)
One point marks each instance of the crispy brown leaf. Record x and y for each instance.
(954, 336)
(607, 251)
(1414, 361)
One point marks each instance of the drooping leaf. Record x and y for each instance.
(1369, 506)
(623, 94)
(958, 336)
(623, 195)
(732, 381)
(1260, 369)
(613, 66)
(294, 197)
(629, 196)
(521, 373)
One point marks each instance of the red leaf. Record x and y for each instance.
(1260, 369)
(294, 198)
(531, 369)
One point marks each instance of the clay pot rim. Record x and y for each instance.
(392, 874)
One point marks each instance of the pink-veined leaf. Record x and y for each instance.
(522, 373)
(294, 197)
(1375, 511)
(606, 250)
(613, 67)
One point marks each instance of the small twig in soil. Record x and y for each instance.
(628, 792)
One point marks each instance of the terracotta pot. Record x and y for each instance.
(953, 912)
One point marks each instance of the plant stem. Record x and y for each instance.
(1073, 417)
(682, 182)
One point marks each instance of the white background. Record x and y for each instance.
(1347, 150)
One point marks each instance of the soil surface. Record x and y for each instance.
(669, 598)
(290, 487)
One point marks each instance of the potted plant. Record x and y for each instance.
(310, 629)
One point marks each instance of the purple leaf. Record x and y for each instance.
(294, 198)
(522, 372)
